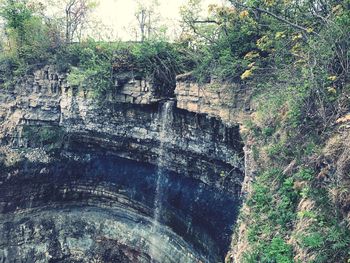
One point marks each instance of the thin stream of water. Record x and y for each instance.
(165, 118)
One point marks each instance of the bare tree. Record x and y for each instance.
(72, 16)
(75, 17)
(141, 17)
(147, 19)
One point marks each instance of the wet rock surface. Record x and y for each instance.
(82, 188)
(67, 208)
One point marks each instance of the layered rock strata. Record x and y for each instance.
(68, 193)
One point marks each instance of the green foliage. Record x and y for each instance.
(272, 204)
(92, 63)
(287, 203)
(33, 43)
(307, 214)
(9, 66)
(329, 240)
(29, 41)
(314, 240)
(93, 68)
(305, 174)
(261, 199)
(50, 137)
(158, 60)
(221, 44)
(300, 78)
(276, 149)
(17, 15)
(268, 131)
(326, 237)
(276, 250)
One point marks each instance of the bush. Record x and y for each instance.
(50, 137)
(159, 61)
(29, 40)
(93, 64)
(276, 250)
(305, 174)
(93, 69)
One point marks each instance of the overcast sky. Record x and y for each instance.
(118, 15)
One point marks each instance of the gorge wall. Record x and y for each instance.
(78, 177)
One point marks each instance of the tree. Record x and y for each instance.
(206, 28)
(76, 12)
(28, 40)
(72, 16)
(24, 27)
(147, 19)
(16, 15)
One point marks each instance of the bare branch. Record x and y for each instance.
(206, 22)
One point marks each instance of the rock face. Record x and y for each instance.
(78, 177)
(101, 207)
(199, 146)
(225, 101)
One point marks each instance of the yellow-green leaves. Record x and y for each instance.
(332, 78)
(297, 37)
(332, 90)
(345, 118)
(280, 35)
(251, 67)
(251, 55)
(264, 43)
(269, 2)
(309, 30)
(247, 73)
(243, 14)
(337, 9)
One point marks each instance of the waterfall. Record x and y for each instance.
(165, 119)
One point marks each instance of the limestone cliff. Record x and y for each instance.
(66, 161)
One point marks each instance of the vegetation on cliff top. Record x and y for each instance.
(295, 57)
(31, 40)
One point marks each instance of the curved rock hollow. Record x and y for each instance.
(92, 177)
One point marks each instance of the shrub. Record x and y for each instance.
(29, 42)
(50, 137)
(276, 250)
(305, 174)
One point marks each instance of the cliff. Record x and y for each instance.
(65, 153)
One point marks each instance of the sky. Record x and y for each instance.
(118, 15)
(116, 18)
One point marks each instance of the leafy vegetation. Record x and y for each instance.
(50, 137)
(27, 38)
(294, 55)
(92, 64)
(33, 41)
